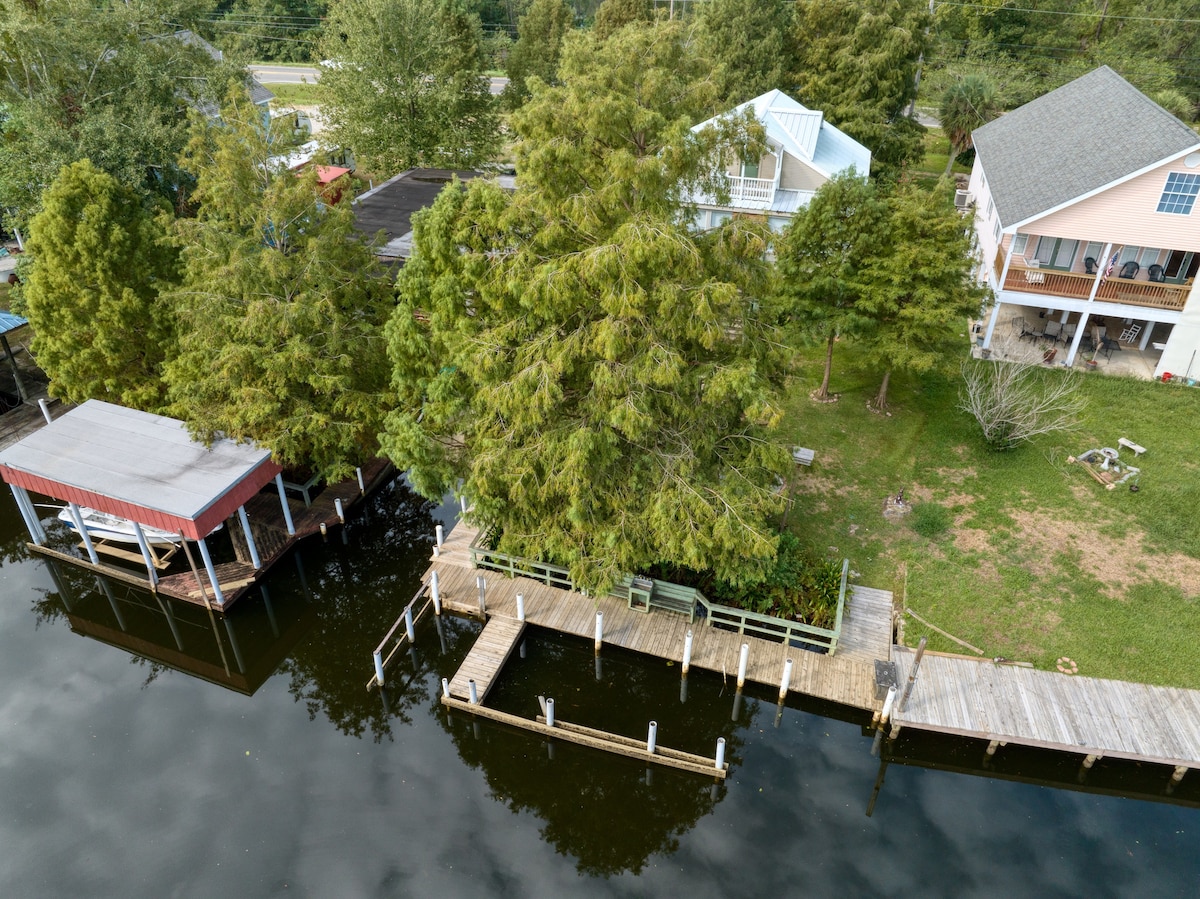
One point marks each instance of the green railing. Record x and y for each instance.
(677, 598)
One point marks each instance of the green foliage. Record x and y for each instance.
(106, 82)
(408, 88)
(539, 44)
(281, 309)
(613, 15)
(856, 61)
(822, 257)
(930, 520)
(92, 293)
(800, 585)
(749, 44)
(273, 30)
(967, 104)
(919, 285)
(598, 374)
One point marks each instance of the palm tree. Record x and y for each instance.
(966, 105)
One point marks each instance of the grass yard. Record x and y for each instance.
(1021, 554)
(303, 95)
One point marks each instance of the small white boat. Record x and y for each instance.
(102, 526)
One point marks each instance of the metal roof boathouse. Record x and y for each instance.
(147, 469)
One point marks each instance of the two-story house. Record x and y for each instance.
(803, 152)
(1087, 225)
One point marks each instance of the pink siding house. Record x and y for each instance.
(1088, 223)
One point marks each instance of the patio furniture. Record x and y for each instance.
(1129, 335)
(1068, 333)
(1052, 331)
(1034, 277)
(1130, 269)
(1089, 265)
(1155, 273)
(1104, 343)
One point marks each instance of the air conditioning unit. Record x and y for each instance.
(962, 199)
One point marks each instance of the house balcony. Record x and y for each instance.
(750, 190)
(1078, 286)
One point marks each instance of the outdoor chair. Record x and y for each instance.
(1052, 331)
(1068, 333)
(1155, 273)
(1089, 265)
(1104, 344)
(1129, 335)
(1130, 269)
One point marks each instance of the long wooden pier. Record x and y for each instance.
(1089, 717)
(847, 678)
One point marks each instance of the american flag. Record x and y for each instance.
(1108, 268)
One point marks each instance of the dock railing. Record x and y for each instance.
(675, 597)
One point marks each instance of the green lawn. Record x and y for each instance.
(1037, 560)
(296, 94)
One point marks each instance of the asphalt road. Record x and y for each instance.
(312, 74)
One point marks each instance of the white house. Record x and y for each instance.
(1087, 223)
(803, 152)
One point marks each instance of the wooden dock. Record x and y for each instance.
(848, 677)
(483, 663)
(1087, 716)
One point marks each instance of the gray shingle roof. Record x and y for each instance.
(1073, 140)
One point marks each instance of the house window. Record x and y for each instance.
(1148, 257)
(990, 207)
(1179, 195)
(1019, 244)
(750, 169)
(996, 231)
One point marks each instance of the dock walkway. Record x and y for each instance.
(848, 679)
(491, 650)
(1084, 715)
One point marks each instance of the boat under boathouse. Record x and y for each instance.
(149, 470)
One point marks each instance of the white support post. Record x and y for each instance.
(1080, 330)
(520, 607)
(212, 572)
(439, 536)
(652, 737)
(1149, 329)
(473, 692)
(445, 688)
(720, 759)
(29, 514)
(45, 411)
(437, 593)
(481, 583)
(786, 682)
(599, 630)
(462, 501)
(549, 713)
(687, 653)
(409, 630)
(287, 512)
(337, 507)
(77, 517)
(144, 546)
(378, 657)
(743, 659)
(362, 488)
(250, 544)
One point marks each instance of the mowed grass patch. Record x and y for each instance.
(296, 94)
(1038, 561)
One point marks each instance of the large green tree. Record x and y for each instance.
(821, 260)
(100, 261)
(856, 61)
(749, 41)
(919, 286)
(281, 309)
(601, 376)
(101, 80)
(406, 87)
(539, 44)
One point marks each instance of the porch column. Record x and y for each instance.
(1079, 332)
(77, 517)
(254, 559)
(144, 545)
(29, 514)
(1149, 328)
(287, 513)
(1100, 269)
(987, 338)
(212, 572)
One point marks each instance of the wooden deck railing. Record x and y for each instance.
(678, 598)
(761, 189)
(1077, 285)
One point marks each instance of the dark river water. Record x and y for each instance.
(148, 750)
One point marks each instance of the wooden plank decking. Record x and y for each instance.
(491, 650)
(1083, 715)
(848, 680)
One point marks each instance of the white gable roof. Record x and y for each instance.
(805, 134)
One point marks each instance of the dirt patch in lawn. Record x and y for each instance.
(1117, 563)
